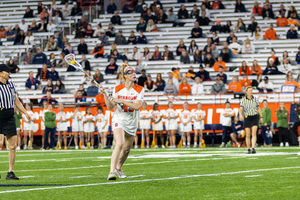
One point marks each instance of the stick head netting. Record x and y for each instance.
(71, 60)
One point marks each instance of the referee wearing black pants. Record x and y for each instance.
(8, 100)
(250, 106)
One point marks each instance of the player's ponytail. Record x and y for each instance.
(123, 69)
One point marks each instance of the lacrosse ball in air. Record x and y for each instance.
(72, 62)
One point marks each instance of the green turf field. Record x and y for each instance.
(210, 173)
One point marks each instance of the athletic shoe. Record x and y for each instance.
(249, 151)
(281, 144)
(147, 147)
(136, 146)
(188, 146)
(92, 147)
(11, 176)
(25, 147)
(270, 145)
(156, 146)
(18, 148)
(163, 146)
(253, 151)
(66, 148)
(76, 147)
(195, 145)
(112, 176)
(120, 173)
(222, 145)
(238, 144)
(82, 147)
(287, 144)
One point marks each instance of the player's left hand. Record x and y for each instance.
(28, 117)
(116, 100)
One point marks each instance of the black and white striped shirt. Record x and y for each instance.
(7, 94)
(250, 106)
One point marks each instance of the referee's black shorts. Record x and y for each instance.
(7, 122)
(250, 121)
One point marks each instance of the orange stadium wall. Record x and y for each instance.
(212, 112)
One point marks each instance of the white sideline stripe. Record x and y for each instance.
(292, 158)
(80, 176)
(147, 180)
(26, 176)
(251, 158)
(250, 176)
(135, 176)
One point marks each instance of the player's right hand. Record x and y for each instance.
(241, 118)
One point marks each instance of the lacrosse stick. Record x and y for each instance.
(70, 59)
(153, 138)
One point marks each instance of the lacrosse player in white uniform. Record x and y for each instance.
(62, 126)
(28, 126)
(102, 126)
(77, 126)
(198, 117)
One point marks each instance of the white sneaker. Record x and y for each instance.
(120, 173)
(287, 144)
(222, 145)
(112, 176)
(195, 145)
(136, 146)
(156, 146)
(147, 147)
(25, 147)
(188, 145)
(18, 148)
(76, 147)
(281, 144)
(92, 147)
(163, 146)
(83, 147)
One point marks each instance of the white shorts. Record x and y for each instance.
(77, 127)
(144, 124)
(119, 125)
(158, 126)
(187, 128)
(101, 129)
(28, 126)
(18, 129)
(199, 125)
(62, 126)
(42, 126)
(88, 128)
(173, 125)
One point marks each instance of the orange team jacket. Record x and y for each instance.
(258, 72)
(219, 64)
(100, 99)
(248, 71)
(235, 87)
(184, 89)
(245, 83)
(270, 35)
(292, 83)
(281, 22)
(98, 50)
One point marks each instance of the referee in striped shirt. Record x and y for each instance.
(8, 100)
(250, 106)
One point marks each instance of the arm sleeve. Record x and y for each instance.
(141, 95)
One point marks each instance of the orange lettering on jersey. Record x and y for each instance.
(126, 97)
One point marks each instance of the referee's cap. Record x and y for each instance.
(4, 67)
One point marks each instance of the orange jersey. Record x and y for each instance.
(219, 64)
(258, 70)
(235, 87)
(245, 83)
(281, 22)
(248, 72)
(292, 83)
(184, 89)
(270, 34)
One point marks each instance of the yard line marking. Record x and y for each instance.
(292, 158)
(26, 176)
(135, 176)
(147, 180)
(251, 158)
(250, 176)
(80, 176)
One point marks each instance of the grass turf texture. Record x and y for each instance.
(210, 173)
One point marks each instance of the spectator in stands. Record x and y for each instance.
(92, 90)
(98, 51)
(79, 97)
(219, 63)
(151, 27)
(28, 13)
(255, 69)
(282, 20)
(40, 57)
(98, 31)
(141, 25)
(285, 54)
(128, 7)
(235, 46)
(139, 66)
(147, 55)
(244, 69)
(154, 5)
(112, 68)
(257, 34)
(110, 31)
(160, 83)
(32, 83)
(29, 39)
(267, 12)
(182, 12)
(218, 87)
(239, 6)
(51, 62)
(53, 74)
(120, 38)
(76, 10)
(265, 86)
(20, 38)
(62, 63)
(175, 81)
(116, 19)
(13, 66)
(184, 87)
(56, 19)
(275, 58)
(290, 81)
(43, 73)
(161, 17)
(66, 10)
(180, 47)
(59, 87)
(156, 54)
(252, 26)
(203, 9)
(248, 47)
(58, 40)
(209, 61)
(218, 27)
(135, 55)
(215, 39)
(207, 4)
(16, 28)
(195, 12)
(85, 63)
(33, 27)
(27, 58)
(167, 54)
(234, 85)
(149, 16)
(203, 74)
(170, 88)
(292, 33)
(51, 26)
(229, 39)
(185, 58)
(292, 11)
(197, 88)
(222, 75)
(49, 86)
(40, 7)
(228, 27)
(208, 44)
(82, 48)
(89, 32)
(193, 47)
(190, 75)
(226, 53)
(49, 100)
(256, 10)
(217, 4)
(271, 68)
(42, 27)
(240, 26)
(139, 6)
(176, 73)
(196, 31)
(144, 11)
(111, 8)
(51, 45)
(282, 10)
(197, 57)
(172, 18)
(245, 82)
(297, 59)
(285, 66)
(256, 81)
(149, 85)
(142, 79)
(10, 34)
(43, 13)
(98, 76)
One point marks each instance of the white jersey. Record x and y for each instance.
(101, 120)
(88, 126)
(77, 122)
(42, 116)
(156, 116)
(185, 116)
(61, 126)
(226, 121)
(147, 114)
(198, 114)
(125, 117)
(28, 126)
(171, 122)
